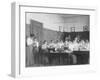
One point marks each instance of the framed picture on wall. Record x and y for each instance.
(85, 28)
(37, 49)
(72, 29)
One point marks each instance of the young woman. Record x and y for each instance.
(29, 50)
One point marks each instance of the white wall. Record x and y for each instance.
(50, 21)
(76, 21)
(53, 21)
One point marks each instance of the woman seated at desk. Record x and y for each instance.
(59, 46)
(51, 46)
(44, 50)
(68, 46)
(84, 45)
(44, 47)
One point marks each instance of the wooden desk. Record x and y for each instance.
(82, 57)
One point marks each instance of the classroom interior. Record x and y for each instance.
(51, 26)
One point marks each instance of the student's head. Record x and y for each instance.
(44, 42)
(86, 41)
(76, 38)
(82, 41)
(51, 41)
(66, 39)
(61, 41)
(56, 41)
(32, 35)
(35, 39)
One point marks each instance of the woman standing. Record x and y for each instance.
(29, 50)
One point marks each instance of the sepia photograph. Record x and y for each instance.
(55, 39)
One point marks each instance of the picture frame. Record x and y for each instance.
(72, 29)
(18, 68)
(85, 28)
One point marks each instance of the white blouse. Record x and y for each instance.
(29, 41)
